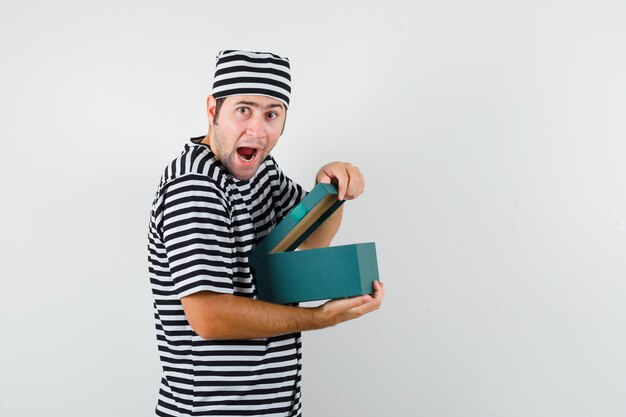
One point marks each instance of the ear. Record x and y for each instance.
(210, 108)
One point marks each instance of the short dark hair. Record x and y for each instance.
(220, 101)
(218, 106)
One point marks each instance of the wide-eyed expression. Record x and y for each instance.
(246, 130)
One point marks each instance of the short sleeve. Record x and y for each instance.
(286, 193)
(196, 235)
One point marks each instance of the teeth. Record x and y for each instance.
(247, 159)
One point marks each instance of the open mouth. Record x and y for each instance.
(247, 155)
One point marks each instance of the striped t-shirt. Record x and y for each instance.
(203, 224)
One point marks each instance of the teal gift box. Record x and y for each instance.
(286, 276)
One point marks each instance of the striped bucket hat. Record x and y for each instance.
(240, 73)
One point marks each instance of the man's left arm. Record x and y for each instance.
(350, 184)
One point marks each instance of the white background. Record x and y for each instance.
(492, 137)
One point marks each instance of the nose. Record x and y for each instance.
(256, 128)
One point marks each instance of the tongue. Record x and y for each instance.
(246, 152)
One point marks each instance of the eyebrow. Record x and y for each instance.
(253, 104)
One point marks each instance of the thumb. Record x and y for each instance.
(323, 178)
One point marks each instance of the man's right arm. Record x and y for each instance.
(224, 316)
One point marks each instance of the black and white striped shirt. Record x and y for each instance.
(203, 224)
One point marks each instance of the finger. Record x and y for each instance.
(376, 285)
(351, 188)
(377, 298)
(379, 291)
(361, 187)
(356, 183)
(342, 181)
(352, 302)
(372, 305)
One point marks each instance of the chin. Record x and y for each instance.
(242, 177)
(240, 172)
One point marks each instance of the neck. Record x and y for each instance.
(207, 138)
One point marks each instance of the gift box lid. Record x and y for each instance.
(299, 223)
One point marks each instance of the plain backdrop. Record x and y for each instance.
(492, 138)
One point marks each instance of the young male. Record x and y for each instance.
(225, 353)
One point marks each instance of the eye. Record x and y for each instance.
(272, 115)
(243, 110)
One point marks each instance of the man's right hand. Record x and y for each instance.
(337, 311)
(225, 316)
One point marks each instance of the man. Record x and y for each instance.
(225, 353)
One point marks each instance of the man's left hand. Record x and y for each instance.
(348, 179)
